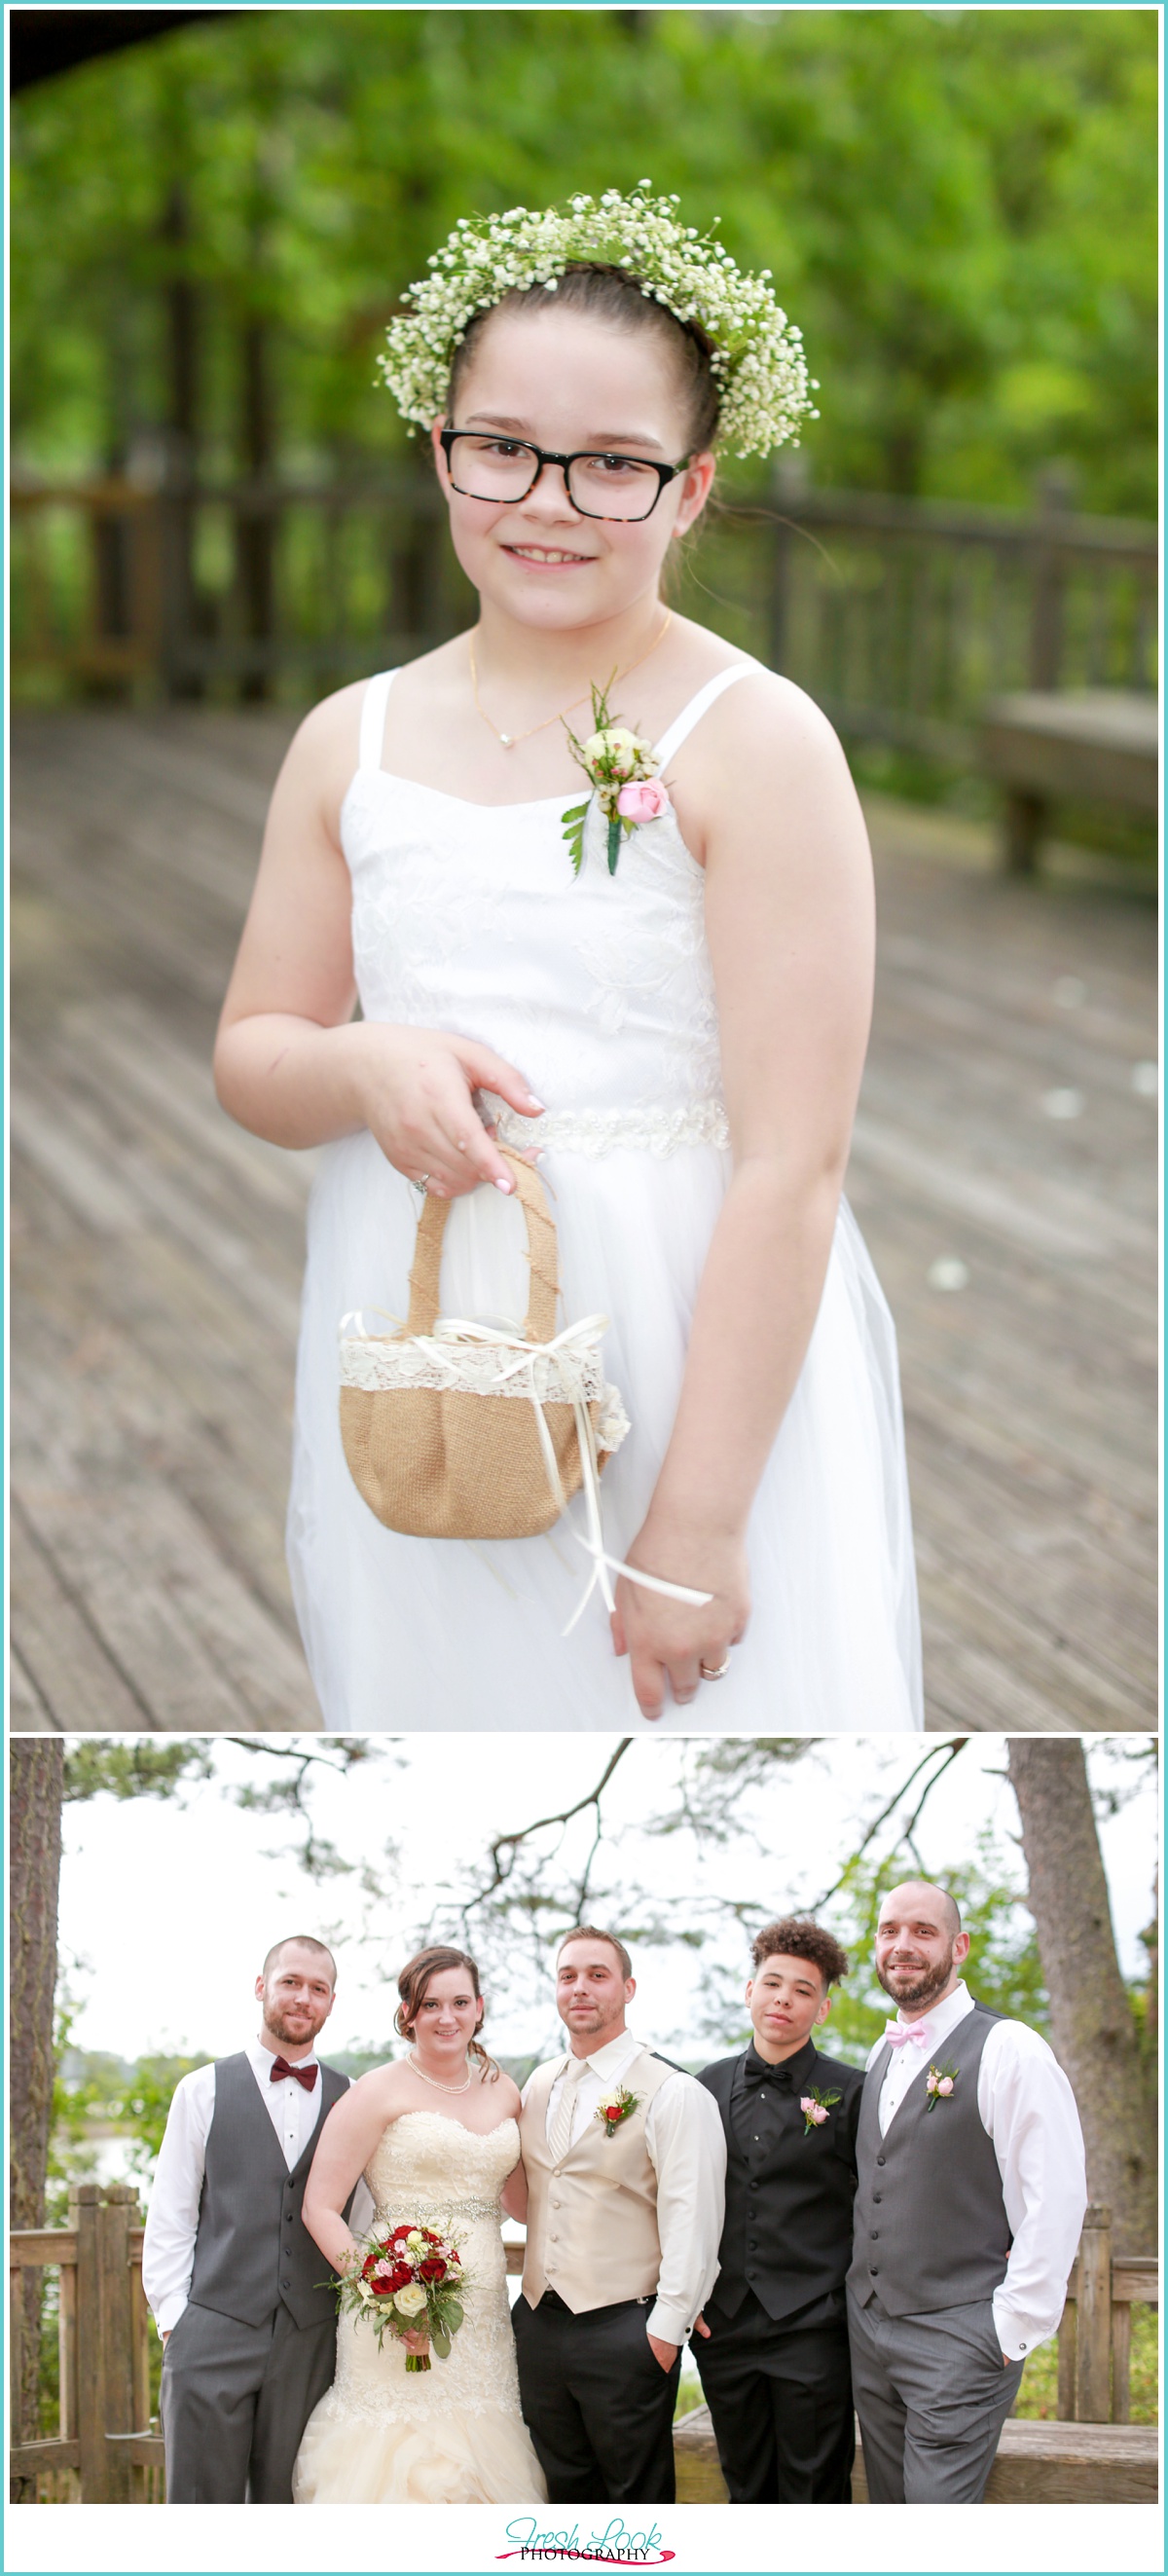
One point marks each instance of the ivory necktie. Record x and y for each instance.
(560, 2133)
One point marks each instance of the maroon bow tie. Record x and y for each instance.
(305, 2075)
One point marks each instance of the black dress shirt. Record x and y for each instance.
(789, 2190)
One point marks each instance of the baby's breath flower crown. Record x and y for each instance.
(757, 355)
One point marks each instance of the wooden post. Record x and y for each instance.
(84, 2210)
(1093, 2333)
(1067, 2350)
(114, 2221)
(1121, 2325)
(1046, 626)
(67, 2353)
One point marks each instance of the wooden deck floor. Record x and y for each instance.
(157, 1251)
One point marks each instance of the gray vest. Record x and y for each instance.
(930, 2221)
(252, 2250)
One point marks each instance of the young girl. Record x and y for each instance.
(680, 1040)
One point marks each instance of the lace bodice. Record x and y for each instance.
(468, 918)
(426, 2157)
(428, 2167)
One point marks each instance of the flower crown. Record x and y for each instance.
(757, 355)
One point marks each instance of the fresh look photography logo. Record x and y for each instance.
(615, 2546)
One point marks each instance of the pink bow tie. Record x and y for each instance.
(899, 2033)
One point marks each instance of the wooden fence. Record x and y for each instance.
(108, 2451)
(901, 617)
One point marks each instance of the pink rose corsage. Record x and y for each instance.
(620, 768)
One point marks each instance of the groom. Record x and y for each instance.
(969, 2203)
(230, 2272)
(625, 2162)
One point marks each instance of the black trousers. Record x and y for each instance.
(597, 2404)
(235, 2401)
(780, 2401)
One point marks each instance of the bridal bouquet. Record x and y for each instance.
(410, 2281)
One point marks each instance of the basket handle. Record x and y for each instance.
(425, 1277)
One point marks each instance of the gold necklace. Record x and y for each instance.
(437, 2080)
(509, 740)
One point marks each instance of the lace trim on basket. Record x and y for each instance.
(379, 1364)
(648, 1130)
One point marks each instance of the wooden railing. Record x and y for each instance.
(109, 2452)
(901, 617)
(1094, 2345)
(106, 2451)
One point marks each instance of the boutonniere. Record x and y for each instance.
(815, 2107)
(620, 769)
(940, 2084)
(616, 2109)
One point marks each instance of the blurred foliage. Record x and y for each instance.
(959, 206)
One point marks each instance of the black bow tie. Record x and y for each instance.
(758, 2073)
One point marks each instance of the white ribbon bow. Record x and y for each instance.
(456, 1328)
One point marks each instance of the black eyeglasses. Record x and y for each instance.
(600, 484)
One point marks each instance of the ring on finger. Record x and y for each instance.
(715, 1672)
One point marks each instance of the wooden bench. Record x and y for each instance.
(1096, 746)
(1037, 2463)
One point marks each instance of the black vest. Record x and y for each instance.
(931, 2225)
(253, 2252)
(788, 2227)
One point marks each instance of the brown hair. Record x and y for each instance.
(413, 1984)
(796, 1937)
(614, 295)
(592, 1932)
(299, 1941)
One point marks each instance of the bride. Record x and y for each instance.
(437, 2139)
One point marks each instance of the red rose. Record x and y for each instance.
(611, 2111)
(391, 2277)
(399, 2234)
(433, 2269)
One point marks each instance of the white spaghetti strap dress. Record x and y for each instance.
(599, 989)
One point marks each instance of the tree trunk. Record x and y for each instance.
(36, 1781)
(1092, 2023)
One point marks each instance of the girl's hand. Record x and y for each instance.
(417, 2343)
(417, 1090)
(668, 1641)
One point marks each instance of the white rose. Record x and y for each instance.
(410, 2301)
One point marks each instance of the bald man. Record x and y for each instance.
(968, 2209)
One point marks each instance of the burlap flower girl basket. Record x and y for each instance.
(456, 1429)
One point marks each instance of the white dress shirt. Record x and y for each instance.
(1026, 2106)
(686, 2146)
(172, 2220)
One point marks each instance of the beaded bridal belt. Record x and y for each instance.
(652, 1129)
(446, 2215)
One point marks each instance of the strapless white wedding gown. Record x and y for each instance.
(452, 2434)
(467, 918)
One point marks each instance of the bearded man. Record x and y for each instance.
(969, 2204)
(229, 2269)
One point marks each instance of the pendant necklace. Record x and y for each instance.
(436, 2080)
(509, 740)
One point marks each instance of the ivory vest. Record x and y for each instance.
(592, 2217)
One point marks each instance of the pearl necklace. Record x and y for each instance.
(509, 740)
(436, 2080)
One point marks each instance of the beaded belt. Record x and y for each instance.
(651, 1129)
(446, 2215)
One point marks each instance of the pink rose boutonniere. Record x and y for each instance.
(940, 2083)
(815, 2107)
(619, 766)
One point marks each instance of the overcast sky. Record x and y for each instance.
(167, 1908)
